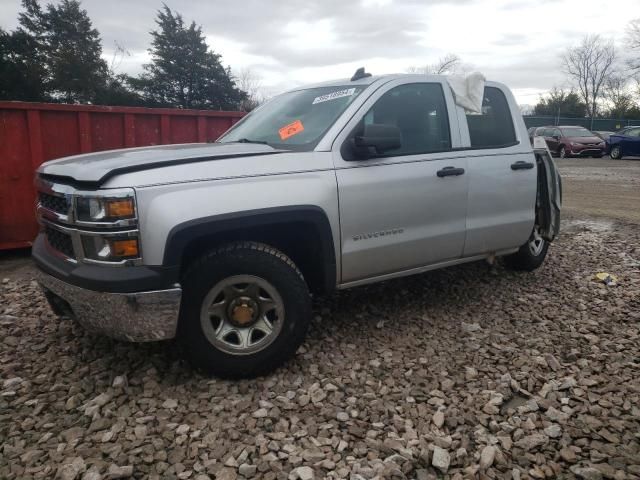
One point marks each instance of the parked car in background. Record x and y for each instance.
(535, 132)
(570, 141)
(604, 135)
(625, 142)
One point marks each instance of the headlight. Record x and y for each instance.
(110, 248)
(105, 209)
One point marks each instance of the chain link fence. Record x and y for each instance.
(599, 124)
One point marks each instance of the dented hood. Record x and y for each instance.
(97, 168)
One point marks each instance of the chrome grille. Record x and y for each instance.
(54, 202)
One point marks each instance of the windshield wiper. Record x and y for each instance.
(248, 140)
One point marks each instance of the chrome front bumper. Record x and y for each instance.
(136, 317)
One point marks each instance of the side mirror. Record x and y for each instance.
(556, 137)
(377, 139)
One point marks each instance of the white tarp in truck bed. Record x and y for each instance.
(468, 91)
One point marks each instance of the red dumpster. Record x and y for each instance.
(32, 133)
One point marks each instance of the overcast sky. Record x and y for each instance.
(288, 43)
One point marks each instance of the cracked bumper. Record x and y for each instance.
(135, 317)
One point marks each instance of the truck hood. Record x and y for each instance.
(97, 168)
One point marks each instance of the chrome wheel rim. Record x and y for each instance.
(563, 153)
(615, 151)
(242, 315)
(536, 243)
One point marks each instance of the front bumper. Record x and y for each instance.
(587, 151)
(136, 317)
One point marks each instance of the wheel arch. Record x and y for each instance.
(302, 232)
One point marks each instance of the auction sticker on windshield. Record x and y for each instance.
(347, 92)
(290, 130)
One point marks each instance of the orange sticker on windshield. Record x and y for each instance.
(290, 130)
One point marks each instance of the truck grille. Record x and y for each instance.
(54, 202)
(59, 241)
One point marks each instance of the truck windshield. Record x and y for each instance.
(294, 120)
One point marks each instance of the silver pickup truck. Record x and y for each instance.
(325, 187)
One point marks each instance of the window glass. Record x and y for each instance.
(576, 132)
(294, 120)
(635, 132)
(419, 110)
(548, 132)
(494, 127)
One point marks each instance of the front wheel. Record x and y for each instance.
(616, 153)
(531, 255)
(245, 310)
(562, 153)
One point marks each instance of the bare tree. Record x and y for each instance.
(618, 95)
(589, 65)
(449, 64)
(633, 42)
(250, 82)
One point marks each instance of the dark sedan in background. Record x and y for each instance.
(570, 141)
(625, 142)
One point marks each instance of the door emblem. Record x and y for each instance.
(382, 233)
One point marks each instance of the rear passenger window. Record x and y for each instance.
(419, 110)
(494, 127)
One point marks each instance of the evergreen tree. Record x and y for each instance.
(74, 51)
(561, 103)
(184, 72)
(21, 74)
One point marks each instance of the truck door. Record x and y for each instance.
(405, 209)
(502, 175)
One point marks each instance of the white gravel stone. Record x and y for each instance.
(441, 459)
(487, 457)
(260, 413)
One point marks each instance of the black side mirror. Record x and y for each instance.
(376, 139)
(556, 137)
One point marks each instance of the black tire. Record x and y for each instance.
(230, 261)
(562, 152)
(528, 258)
(615, 153)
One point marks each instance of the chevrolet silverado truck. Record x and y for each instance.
(330, 186)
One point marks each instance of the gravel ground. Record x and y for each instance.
(466, 372)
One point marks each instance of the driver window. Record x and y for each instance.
(419, 110)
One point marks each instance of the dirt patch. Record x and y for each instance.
(601, 187)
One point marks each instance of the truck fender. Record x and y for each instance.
(187, 232)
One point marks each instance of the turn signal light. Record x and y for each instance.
(121, 208)
(124, 248)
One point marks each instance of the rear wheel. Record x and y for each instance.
(245, 310)
(616, 152)
(531, 255)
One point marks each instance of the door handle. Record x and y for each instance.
(450, 172)
(521, 165)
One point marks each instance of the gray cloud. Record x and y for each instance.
(267, 35)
